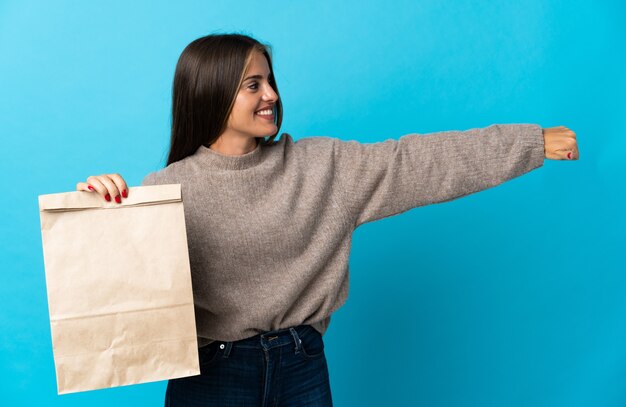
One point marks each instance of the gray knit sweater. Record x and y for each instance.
(269, 232)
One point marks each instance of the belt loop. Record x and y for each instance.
(296, 339)
(229, 346)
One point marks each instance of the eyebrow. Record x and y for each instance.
(258, 76)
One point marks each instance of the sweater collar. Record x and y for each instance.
(229, 162)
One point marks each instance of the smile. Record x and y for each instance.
(266, 114)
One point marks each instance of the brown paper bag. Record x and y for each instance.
(119, 288)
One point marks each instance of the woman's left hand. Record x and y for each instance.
(560, 143)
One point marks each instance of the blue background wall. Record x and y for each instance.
(510, 297)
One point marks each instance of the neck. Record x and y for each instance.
(234, 145)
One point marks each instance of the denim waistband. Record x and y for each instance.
(267, 340)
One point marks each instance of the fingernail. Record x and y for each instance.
(124, 194)
(107, 197)
(90, 187)
(118, 199)
(569, 155)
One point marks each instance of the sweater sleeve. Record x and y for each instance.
(377, 180)
(149, 179)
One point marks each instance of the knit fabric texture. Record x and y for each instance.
(269, 232)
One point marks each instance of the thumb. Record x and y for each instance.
(560, 154)
(570, 155)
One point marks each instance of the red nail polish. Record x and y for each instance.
(90, 187)
(569, 155)
(118, 199)
(124, 194)
(107, 197)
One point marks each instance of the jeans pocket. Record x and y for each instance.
(312, 344)
(209, 354)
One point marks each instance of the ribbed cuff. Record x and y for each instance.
(531, 135)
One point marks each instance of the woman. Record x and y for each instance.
(269, 223)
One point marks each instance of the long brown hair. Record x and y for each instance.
(208, 75)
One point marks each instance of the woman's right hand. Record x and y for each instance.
(107, 185)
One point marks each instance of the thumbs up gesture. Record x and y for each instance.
(560, 143)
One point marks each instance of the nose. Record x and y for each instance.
(269, 94)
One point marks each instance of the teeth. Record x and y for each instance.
(266, 112)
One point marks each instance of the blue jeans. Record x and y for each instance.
(286, 367)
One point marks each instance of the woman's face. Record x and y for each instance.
(249, 116)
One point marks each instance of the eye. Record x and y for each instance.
(253, 85)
